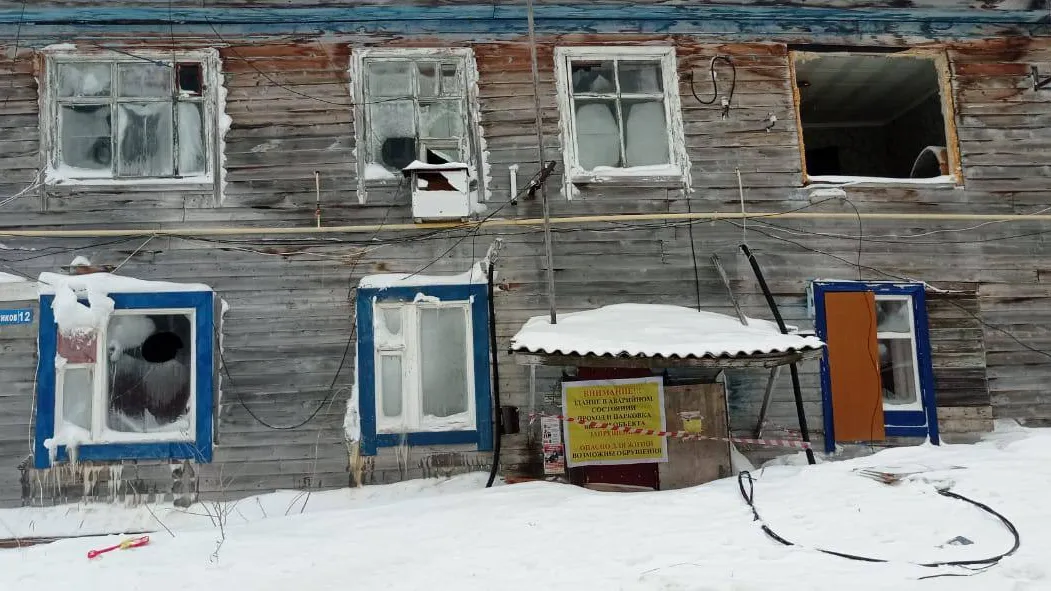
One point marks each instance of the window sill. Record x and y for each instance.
(832, 181)
(629, 179)
(427, 438)
(115, 452)
(53, 180)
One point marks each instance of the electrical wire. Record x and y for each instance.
(715, 84)
(749, 498)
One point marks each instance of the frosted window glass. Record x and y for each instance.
(441, 120)
(146, 139)
(427, 78)
(598, 135)
(390, 381)
(443, 361)
(84, 80)
(76, 396)
(643, 77)
(145, 79)
(393, 130)
(593, 77)
(85, 137)
(645, 133)
(893, 316)
(192, 154)
(390, 79)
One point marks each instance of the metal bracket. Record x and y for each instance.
(1037, 82)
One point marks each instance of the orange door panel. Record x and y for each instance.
(853, 365)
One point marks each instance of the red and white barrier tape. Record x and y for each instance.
(686, 435)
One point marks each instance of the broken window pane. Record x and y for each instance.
(393, 133)
(638, 76)
(85, 136)
(192, 154)
(427, 78)
(144, 80)
(645, 133)
(443, 361)
(593, 77)
(451, 85)
(149, 360)
(893, 316)
(390, 79)
(146, 140)
(83, 79)
(441, 120)
(897, 371)
(390, 381)
(190, 78)
(598, 135)
(77, 392)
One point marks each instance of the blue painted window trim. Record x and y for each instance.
(897, 423)
(482, 435)
(200, 450)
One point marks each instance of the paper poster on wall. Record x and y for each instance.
(554, 451)
(635, 402)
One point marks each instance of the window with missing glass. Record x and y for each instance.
(129, 118)
(620, 111)
(415, 107)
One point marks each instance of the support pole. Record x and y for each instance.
(767, 395)
(540, 162)
(804, 431)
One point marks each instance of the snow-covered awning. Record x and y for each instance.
(659, 335)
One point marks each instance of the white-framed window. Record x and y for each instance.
(424, 367)
(896, 343)
(413, 104)
(130, 118)
(132, 381)
(620, 114)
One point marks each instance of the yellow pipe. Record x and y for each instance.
(498, 223)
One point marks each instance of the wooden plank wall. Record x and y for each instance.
(290, 321)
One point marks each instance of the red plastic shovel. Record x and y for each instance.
(129, 543)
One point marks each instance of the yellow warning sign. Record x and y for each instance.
(635, 402)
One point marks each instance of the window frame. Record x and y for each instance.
(174, 445)
(51, 104)
(940, 60)
(911, 337)
(678, 168)
(897, 423)
(472, 143)
(412, 417)
(474, 299)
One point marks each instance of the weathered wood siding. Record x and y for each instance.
(291, 312)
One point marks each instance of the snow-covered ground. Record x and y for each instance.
(453, 534)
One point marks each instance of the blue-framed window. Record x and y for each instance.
(139, 387)
(901, 356)
(423, 366)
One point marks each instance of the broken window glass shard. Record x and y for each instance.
(443, 361)
(640, 77)
(83, 79)
(598, 133)
(144, 79)
(390, 79)
(190, 77)
(193, 158)
(149, 359)
(645, 133)
(85, 136)
(77, 391)
(146, 139)
(593, 77)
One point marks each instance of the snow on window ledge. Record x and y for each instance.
(73, 176)
(841, 180)
(660, 174)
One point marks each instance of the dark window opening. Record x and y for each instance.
(191, 78)
(871, 116)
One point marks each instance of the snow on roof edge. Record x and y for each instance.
(106, 283)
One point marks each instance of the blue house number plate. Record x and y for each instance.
(16, 317)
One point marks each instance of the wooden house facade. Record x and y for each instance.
(886, 161)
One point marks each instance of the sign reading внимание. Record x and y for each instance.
(635, 402)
